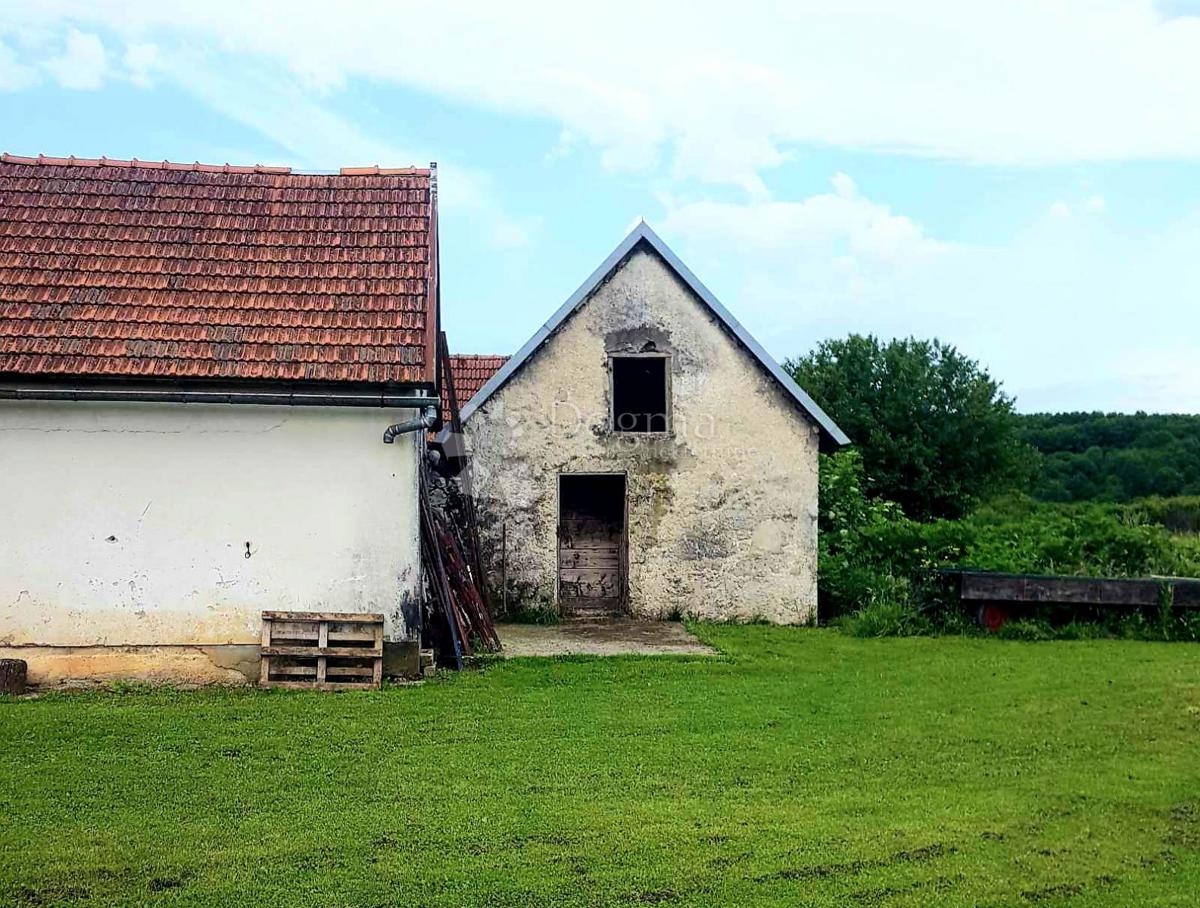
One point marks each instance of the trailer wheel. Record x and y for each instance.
(991, 617)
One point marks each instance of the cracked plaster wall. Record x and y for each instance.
(722, 513)
(130, 523)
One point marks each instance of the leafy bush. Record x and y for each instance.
(1082, 630)
(1179, 515)
(876, 563)
(887, 618)
(849, 576)
(1026, 629)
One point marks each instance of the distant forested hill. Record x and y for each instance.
(1114, 456)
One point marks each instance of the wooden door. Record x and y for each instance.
(591, 544)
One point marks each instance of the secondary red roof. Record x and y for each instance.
(156, 270)
(470, 372)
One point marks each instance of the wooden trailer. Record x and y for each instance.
(996, 597)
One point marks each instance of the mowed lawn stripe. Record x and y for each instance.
(800, 767)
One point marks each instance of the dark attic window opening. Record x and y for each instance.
(639, 386)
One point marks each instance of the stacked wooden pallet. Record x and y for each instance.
(321, 650)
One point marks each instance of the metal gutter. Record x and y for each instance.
(425, 421)
(279, 398)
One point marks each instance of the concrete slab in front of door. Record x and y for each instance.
(615, 637)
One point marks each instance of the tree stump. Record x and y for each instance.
(12, 676)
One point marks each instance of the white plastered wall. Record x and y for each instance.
(144, 523)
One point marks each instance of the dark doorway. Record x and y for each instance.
(591, 543)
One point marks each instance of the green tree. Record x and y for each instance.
(936, 433)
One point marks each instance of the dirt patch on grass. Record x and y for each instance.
(617, 637)
(853, 868)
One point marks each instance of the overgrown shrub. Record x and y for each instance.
(1180, 514)
(535, 612)
(1026, 629)
(850, 577)
(888, 618)
(875, 562)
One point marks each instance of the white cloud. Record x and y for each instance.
(13, 74)
(1093, 204)
(141, 60)
(704, 95)
(1071, 312)
(844, 185)
(562, 148)
(842, 225)
(317, 137)
(509, 234)
(83, 64)
(259, 95)
(721, 97)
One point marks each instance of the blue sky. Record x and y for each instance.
(1019, 179)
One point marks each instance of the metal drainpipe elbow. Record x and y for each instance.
(425, 421)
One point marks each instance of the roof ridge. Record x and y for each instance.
(196, 166)
(832, 437)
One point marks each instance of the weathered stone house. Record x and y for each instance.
(643, 454)
(197, 368)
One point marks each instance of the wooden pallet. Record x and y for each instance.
(321, 650)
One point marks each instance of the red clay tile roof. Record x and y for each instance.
(470, 372)
(141, 269)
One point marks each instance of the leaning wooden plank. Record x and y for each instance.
(431, 547)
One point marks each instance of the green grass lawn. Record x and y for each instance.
(804, 767)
